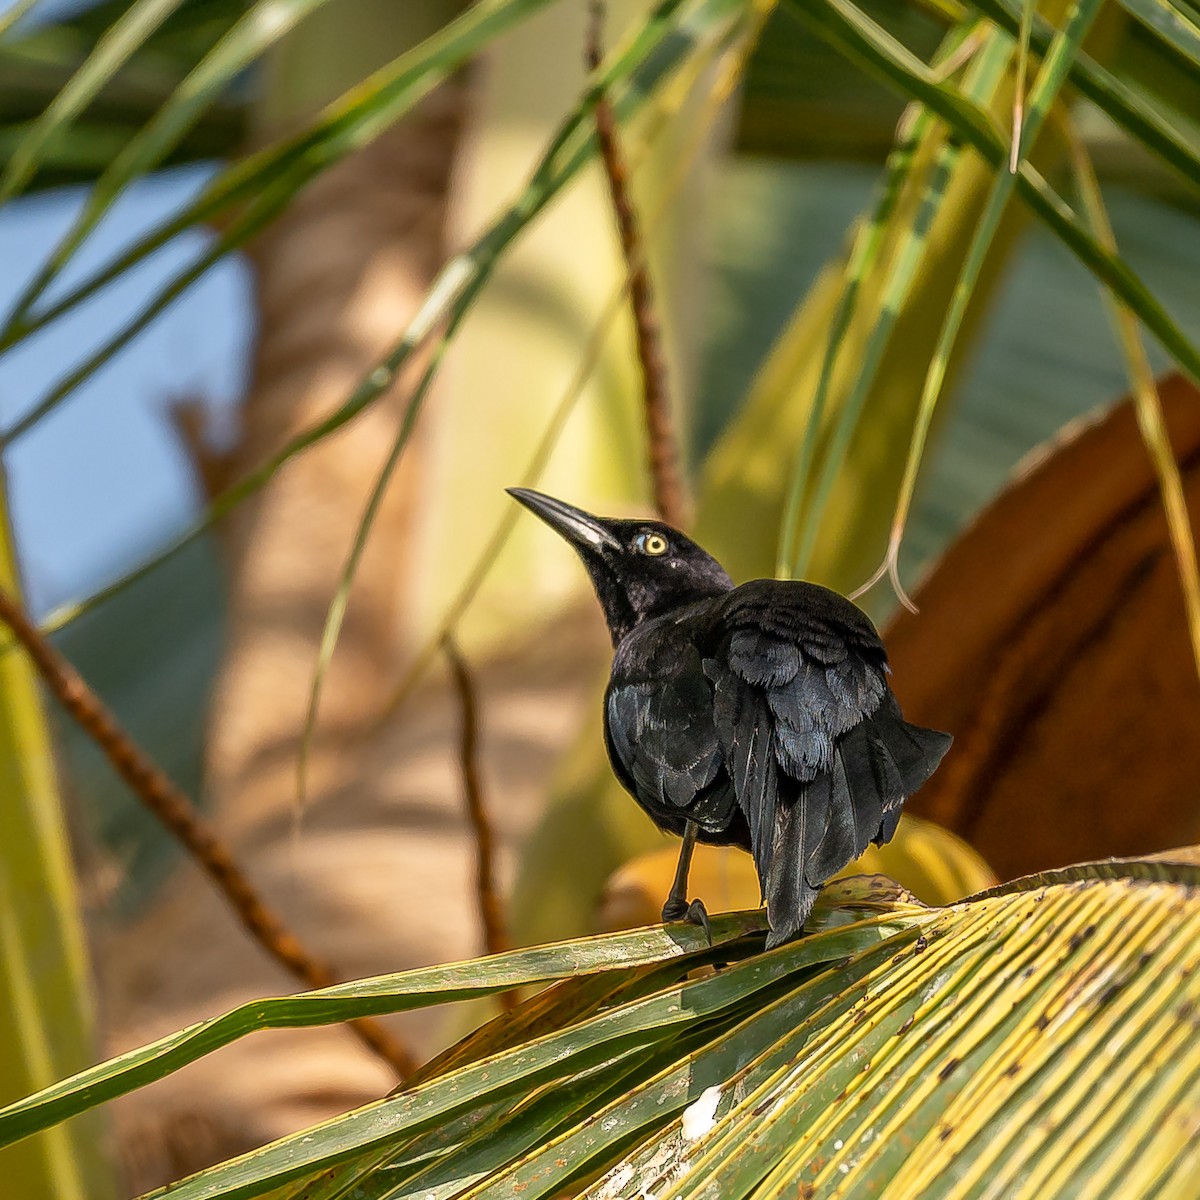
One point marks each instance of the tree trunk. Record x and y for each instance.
(336, 277)
(380, 876)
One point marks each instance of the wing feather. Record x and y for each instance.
(840, 842)
(743, 726)
(662, 741)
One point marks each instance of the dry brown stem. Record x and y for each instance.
(176, 812)
(491, 916)
(662, 441)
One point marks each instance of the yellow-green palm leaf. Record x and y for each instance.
(1038, 1040)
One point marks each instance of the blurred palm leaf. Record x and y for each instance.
(1177, 24)
(414, 989)
(36, 67)
(45, 989)
(748, 463)
(798, 100)
(271, 178)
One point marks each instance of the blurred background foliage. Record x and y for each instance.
(757, 143)
(807, 133)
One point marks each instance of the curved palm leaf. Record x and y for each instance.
(1037, 1039)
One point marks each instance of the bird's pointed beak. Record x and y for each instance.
(578, 527)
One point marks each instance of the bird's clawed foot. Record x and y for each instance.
(697, 914)
(694, 913)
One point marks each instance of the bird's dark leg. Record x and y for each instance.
(677, 907)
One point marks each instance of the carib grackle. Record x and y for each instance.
(756, 716)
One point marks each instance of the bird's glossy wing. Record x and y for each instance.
(820, 758)
(814, 659)
(662, 740)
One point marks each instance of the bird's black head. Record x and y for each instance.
(640, 569)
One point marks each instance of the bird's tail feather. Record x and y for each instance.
(916, 751)
(829, 822)
(855, 811)
(800, 824)
(903, 757)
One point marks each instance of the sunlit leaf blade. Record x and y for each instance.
(387, 993)
(1171, 867)
(554, 1007)
(1116, 99)
(755, 1046)
(561, 1004)
(513, 1132)
(987, 1059)
(112, 51)
(743, 1147)
(864, 41)
(1174, 23)
(656, 1020)
(912, 1052)
(1049, 82)
(932, 1062)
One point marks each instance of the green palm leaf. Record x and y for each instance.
(45, 996)
(1175, 24)
(1035, 1040)
(863, 40)
(1173, 141)
(114, 49)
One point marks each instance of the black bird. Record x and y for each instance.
(756, 716)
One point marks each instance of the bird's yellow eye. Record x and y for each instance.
(653, 544)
